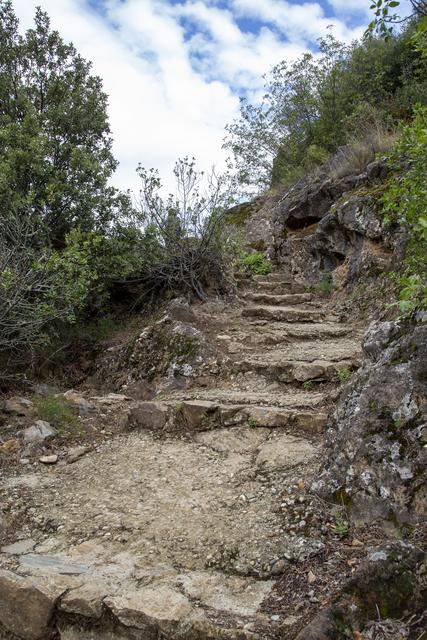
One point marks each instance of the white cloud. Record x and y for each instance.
(174, 71)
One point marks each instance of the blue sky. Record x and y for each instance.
(174, 69)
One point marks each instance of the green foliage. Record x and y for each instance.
(57, 411)
(252, 422)
(344, 374)
(55, 144)
(341, 527)
(254, 263)
(326, 285)
(308, 385)
(405, 203)
(316, 104)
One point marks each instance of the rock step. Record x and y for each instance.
(90, 604)
(276, 276)
(272, 287)
(292, 371)
(278, 300)
(329, 349)
(284, 314)
(264, 333)
(297, 400)
(192, 416)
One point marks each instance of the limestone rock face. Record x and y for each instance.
(376, 454)
(25, 609)
(324, 224)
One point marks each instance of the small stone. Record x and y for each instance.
(18, 406)
(53, 459)
(311, 578)
(10, 446)
(24, 461)
(77, 452)
(356, 543)
(278, 567)
(39, 431)
(275, 618)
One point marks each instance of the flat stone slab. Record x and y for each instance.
(20, 547)
(51, 564)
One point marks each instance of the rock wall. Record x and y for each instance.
(376, 439)
(331, 226)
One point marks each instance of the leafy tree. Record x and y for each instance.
(55, 143)
(275, 135)
(405, 204)
(312, 106)
(386, 16)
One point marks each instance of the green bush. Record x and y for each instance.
(344, 374)
(57, 411)
(405, 204)
(326, 285)
(254, 263)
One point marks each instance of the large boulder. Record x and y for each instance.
(375, 442)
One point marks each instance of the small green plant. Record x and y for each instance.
(308, 384)
(341, 527)
(326, 285)
(252, 422)
(344, 374)
(57, 411)
(254, 263)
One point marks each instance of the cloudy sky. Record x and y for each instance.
(174, 69)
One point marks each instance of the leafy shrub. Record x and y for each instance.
(254, 263)
(57, 411)
(405, 203)
(344, 374)
(326, 284)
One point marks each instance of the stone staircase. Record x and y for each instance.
(173, 530)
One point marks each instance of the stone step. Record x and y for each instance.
(333, 350)
(279, 300)
(276, 276)
(192, 416)
(298, 399)
(263, 332)
(292, 371)
(284, 314)
(274, 287)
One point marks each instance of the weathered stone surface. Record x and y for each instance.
(86, 600)
(52, 459)
(26, 608)
(19, 406)
(284, 451)
(17, 548)
(82, 405)
(375, 447)
(198, 415)
(151, 608)
(149, 415)
(76, 453)
(39, 431)
(52, 564)
(226, 593)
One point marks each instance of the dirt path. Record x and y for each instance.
(182, 527)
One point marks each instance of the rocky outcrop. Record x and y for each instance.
(376, 439)
(326, 225)
(167, 353)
